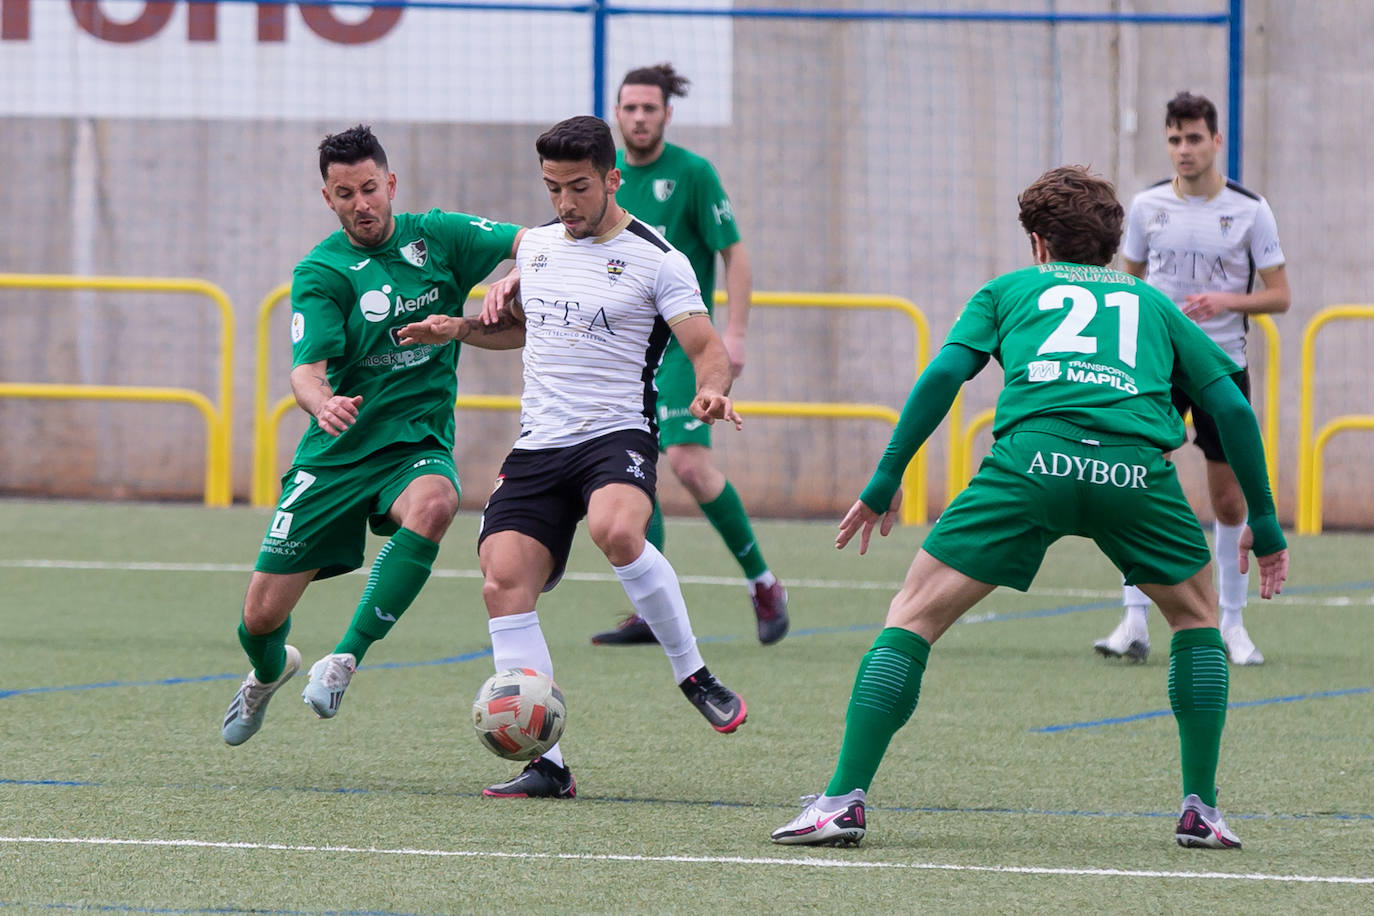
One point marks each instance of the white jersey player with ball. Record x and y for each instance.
(600, 295)
(1204, 241)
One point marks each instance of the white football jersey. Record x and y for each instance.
(597, 316)
(1201, 244)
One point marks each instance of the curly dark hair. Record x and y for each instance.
(350, 146)
(1076, 213)
(1188, 107)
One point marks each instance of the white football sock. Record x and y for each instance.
(517, 642)
(1137, 605)
(1232, 584)
(653, 589)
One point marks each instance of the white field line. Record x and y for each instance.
(802, 862)
(725, 581)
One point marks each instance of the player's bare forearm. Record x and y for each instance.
(333, 413)
(1273, 299)
(507, 333)
(739, 287)
(703, 347)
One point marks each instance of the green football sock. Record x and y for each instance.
(726, 514)
(885, 693)
(656, 533)
(267, 652)
(1198, 682)
(398, 574)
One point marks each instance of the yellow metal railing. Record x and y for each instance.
(962, 441)
(915, 480)
(218, 484)
(964, 456)
(262, 488)
(1270, 428)
(914, 510)
(1310, 447)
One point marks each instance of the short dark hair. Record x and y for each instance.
(1075, 212)
(350, 146)
(661, 75)
(1188, 107)
(578, 139)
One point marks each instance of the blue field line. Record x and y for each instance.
(1240, 704)
(69, 783)
(125, 908)
(967, 619)
(206, 678)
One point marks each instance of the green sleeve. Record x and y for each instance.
(1240, 439)
(926, 406)
(317, 326)
(714, 215)
(478, 244)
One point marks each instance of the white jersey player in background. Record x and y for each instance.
(1201, 239)
(600, 293)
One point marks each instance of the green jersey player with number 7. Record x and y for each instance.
(379, 451)
(1081, 433)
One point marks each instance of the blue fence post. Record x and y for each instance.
(1236, 76)
(599, 58)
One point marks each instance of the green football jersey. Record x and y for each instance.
(680, 195)
(1090, 345)
(348, 305)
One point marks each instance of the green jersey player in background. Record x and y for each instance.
(1082, 428)
(679, 194)
(380, 449)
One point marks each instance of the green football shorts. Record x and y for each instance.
(1035, 487)
(322, 517)
(677, 387)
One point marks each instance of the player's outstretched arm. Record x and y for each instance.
(739, 282)
(926, 406)
(334, 413)
(711, 364)
(508, 333)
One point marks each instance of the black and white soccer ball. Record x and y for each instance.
(519, 713)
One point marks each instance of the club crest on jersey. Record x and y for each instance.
(663, 189)
(614, 268)
(417, 252)
(1225, 223)
(636, 460)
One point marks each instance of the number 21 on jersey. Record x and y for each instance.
(1068, 336)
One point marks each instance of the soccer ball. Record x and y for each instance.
(519, 713)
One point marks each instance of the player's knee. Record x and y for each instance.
(502, 588)
(433, 515)
(701, 478)
(620, 542)
(1229, 511)
(259, 619)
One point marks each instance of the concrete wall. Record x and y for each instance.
(861, 158)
